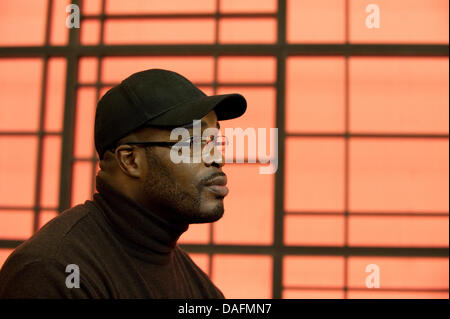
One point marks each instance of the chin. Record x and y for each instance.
(209, 213)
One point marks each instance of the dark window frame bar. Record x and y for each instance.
(97, 93)
(281, 50)
(270, 250)
(41, 208)
(175, 16)
(30, 133)
(201, 84)
(42, 112)
(270, 50)
(366, 289)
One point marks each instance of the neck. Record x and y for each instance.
(144, 233)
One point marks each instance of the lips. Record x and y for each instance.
(217, 185)
(218, 180)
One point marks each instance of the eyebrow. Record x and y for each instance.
(203, 123)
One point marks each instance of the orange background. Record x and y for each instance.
(364, 151)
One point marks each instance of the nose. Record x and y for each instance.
(216, 159)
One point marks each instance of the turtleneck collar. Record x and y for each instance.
(144, 234)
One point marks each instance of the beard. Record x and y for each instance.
(171, 200)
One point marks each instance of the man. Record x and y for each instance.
(123, 243)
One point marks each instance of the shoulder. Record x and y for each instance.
(37, 267)
(37, 278)
(50, 240)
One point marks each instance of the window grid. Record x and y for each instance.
(281, 50)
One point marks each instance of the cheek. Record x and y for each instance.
(186, 176)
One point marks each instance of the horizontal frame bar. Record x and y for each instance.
(212, 84)
(370, 135)
(29, 133)
(298, 250)
(378, 214)
(43, 208)
(156, 16)
(367, 289)
(319, 250)
(231, 50)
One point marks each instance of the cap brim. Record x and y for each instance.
(226, 106)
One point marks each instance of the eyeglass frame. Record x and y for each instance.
(170, 144)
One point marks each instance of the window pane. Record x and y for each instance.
(90, 32)
(4, 254)
(50, 171)
(46, 216)
(314, 174)
(196, 69)
(248, 217)
(315, 94)
(160, 31)
(399, 95)
(55, 94)
(404, 175)
(398, 231)
(401, 272)
(18, 111)
(260, 113)
(376, 294)
(93, 6)
(247, 69)
(208, 90)
(84, 124)
(243, 276)
(315, 21)
(313, 271)
(59, 33)
(18, 172)
(246, 6)
(157, 6)
(27, 21)
(314, 230)
(202, 261)
(247, 30)
(260, 107)
(81, 182)
(401, 21)
(16, 224)
(313, 294)
(87, 70)
(104, 89)
(196, 234)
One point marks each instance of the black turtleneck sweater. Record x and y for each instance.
(121, 249)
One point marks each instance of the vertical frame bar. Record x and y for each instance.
(98, 87)
(65, 188)
(41, 133)
(346, 148)
(279, 175)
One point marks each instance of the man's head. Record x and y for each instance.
(145, 108)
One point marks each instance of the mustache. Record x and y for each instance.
(212, 176)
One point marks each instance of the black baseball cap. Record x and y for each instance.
(156, 97)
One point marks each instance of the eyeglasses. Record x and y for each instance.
(194, 142)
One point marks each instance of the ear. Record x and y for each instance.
(130, 160)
